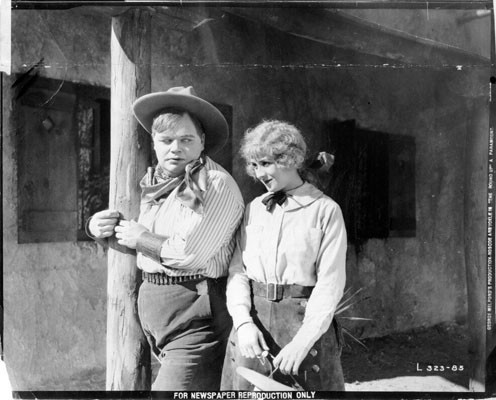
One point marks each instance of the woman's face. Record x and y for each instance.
(275, 177)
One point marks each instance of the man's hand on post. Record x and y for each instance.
(127, 233)
(102, 223)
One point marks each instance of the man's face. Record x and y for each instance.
(178, 146)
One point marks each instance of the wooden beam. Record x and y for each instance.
(490, 325)
(182, 19)
(348, 32)
(478, 161)
(475, 208)
(339, 4)
(128, 355)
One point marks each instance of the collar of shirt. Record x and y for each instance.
(190, 186)
(301, 197)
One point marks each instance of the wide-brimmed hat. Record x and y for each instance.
(147, 107)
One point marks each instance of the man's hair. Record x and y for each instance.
(168, 118)
(278, 140)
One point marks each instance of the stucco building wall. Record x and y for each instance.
(55, 293)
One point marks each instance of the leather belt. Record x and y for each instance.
(276, 292)
(160, 278)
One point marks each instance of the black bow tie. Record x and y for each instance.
(273, 198)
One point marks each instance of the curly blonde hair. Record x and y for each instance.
(278, 140)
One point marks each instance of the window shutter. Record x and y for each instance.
(47, 167)
(373, 180)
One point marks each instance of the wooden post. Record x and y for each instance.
(475, 209)
(479, 236)
(128, 355)
(490, 344)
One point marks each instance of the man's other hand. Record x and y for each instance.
(127, 233)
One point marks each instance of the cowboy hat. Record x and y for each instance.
(260, 381)
(147, 107)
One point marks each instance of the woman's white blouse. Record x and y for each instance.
(302, 242)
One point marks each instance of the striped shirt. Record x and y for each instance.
(196, 243)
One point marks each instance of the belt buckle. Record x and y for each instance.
(271, 291)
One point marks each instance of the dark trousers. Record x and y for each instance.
(279, 321)
(187, 326)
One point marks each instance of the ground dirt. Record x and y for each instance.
(424, 359)
(394, 363)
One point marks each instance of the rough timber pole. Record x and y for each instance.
(479, 233)
(475, 207)
(127, 351)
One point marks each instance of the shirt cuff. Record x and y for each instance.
(307, 336)
(87, 228)
(240, 316)
(150, 245)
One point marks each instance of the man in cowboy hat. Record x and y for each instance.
(190, 209)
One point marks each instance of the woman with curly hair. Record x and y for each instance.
(287, 274)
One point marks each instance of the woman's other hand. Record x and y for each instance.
(290, 358)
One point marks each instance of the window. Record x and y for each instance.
(63, 158)
(225, 156)
(373, 180)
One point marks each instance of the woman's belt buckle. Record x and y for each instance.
(273, 292)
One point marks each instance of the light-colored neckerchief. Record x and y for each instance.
(156, 184)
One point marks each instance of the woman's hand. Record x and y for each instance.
(290, 358)
(127, 233)
(251, 341)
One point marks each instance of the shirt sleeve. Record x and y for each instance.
(331, 279)
(223, 210)
(238, 285)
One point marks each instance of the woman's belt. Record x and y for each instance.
(276, 292)
(160, 278)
